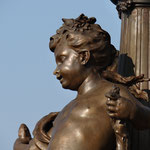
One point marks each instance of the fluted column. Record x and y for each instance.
(135, 52)
(135, 42)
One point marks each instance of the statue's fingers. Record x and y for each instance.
(112, 114)
(24, 134)
(111, 102)
(112, 109)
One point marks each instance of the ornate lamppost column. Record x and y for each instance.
(135, 53)
(135, 37)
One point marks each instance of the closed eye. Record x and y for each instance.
(62, 58)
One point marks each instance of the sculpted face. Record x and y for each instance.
(69, 71)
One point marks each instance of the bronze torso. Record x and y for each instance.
(83, 124)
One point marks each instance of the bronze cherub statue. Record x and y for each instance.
(86, 62)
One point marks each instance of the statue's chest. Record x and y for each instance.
(80, 111)
(78, 122)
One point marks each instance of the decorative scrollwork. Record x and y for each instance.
(124, 6)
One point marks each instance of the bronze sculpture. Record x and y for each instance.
(134, 53)
(86, 63)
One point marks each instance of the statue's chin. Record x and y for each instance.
(66, 86)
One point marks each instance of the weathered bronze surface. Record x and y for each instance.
(118, 125)
(86, 63)
(135, 53)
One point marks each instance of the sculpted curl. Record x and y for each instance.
(82, 34)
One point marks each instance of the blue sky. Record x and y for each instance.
(28, 88)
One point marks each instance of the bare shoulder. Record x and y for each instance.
(106, 86)
(124, 92)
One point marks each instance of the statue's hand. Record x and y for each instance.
(121, 108)
(41, 133)
(118, 109)
(24, 134)
(43, 129)
(24, 138)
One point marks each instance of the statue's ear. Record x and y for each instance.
(84, 57)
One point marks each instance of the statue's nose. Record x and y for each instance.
(56, 71)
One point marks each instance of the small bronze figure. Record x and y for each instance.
(118, 125)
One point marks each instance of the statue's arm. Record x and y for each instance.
(128, 108)
(41, 134)
(141, 116)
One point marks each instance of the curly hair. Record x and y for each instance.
(83, 34)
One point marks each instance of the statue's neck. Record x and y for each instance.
(89, 83)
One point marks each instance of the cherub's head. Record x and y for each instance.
(78, 45)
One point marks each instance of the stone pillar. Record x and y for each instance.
(135, 37)
(135, 52)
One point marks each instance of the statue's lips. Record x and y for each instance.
(60, 78)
